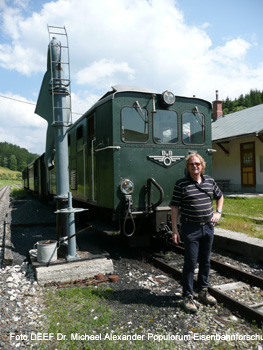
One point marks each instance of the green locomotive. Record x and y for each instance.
(125, 154)
(127, 151)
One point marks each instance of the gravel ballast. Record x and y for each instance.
(143, 301)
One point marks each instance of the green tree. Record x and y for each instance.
(23, 157)
(238, 108)
(23, 166)
(13, 162)
(5, 162)
(253, 98)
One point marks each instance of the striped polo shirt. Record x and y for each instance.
(194, 199)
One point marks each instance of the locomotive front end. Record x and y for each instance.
(157, 132)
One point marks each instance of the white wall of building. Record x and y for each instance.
(227, 166)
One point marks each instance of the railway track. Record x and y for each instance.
(3, 191)
(4, 237)
(234, 284)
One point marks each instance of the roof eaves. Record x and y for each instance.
(230, 138)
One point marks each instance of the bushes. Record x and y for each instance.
(12, 177)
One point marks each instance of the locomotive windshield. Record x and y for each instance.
(165, 126)
(135, 126)
(193, 128)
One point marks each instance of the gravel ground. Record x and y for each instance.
(151, 301)
(21, 304)
(144, 298)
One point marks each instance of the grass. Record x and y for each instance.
(80, 318)
(243, 225)
(79, 312)
(12, 178)
(16, 190)
(243, 215)
(7, 171)
(244, 206)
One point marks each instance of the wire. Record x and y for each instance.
(29, 103)
(14, 99)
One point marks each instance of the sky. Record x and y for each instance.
(190, 47)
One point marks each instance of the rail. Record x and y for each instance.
(3, 191)
(250, 313)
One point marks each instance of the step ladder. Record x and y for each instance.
(63, 82)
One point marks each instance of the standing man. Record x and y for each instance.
(194, 196)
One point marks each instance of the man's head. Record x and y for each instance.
(195, 162)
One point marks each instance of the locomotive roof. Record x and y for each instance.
(124, 88)
(127, 88)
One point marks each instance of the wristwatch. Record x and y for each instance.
(219, 211)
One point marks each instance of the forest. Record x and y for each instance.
(254, 98)
(14, 157)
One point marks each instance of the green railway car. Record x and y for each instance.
(127, 151)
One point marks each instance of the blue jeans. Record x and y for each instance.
(198, 242)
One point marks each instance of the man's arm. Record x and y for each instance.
(219, 206)
(174, 216)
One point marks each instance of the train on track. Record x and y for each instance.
(125, 154)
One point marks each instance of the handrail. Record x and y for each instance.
(108, 147)
(150, 181)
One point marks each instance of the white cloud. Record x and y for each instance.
(81, 102)
(20, 125)
(103, 70)
(18, 58)
(22, 111)
(143, 43)
(235, 49)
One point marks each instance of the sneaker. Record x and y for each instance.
(206, 298)
(188, 304)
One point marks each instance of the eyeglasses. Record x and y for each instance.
(193, 164)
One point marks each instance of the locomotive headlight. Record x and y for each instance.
(126, 186)
(168, 98)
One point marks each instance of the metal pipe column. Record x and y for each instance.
(61, 120)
